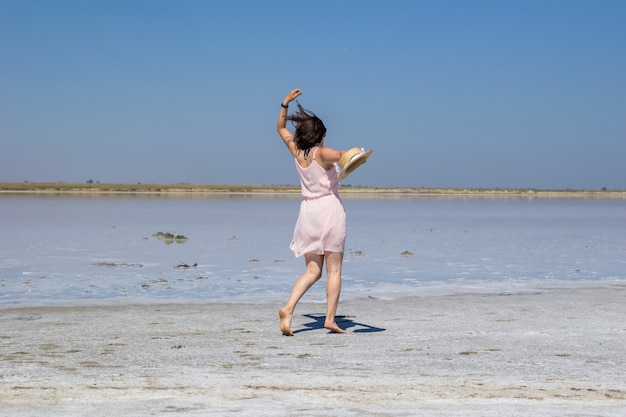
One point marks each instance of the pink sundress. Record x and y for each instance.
(321, 224)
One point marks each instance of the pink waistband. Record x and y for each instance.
(317, 197)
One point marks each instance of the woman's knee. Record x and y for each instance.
(314, 266)
(317, 277)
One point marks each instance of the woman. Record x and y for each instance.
(320, 230)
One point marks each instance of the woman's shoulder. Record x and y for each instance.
(330, 154)
(327, 156)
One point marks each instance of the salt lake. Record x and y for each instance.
(85, 249)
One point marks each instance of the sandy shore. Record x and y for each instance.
(549, 353)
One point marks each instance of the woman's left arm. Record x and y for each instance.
(281, 124)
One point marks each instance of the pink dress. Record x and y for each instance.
(321, 224)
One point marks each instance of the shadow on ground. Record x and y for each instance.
(342, 321)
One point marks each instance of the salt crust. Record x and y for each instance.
(549, 353)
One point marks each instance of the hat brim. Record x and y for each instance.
(355, 162)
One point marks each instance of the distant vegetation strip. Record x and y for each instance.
(102, 188)
(63, 187)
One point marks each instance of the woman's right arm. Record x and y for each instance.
(328, 156)
(281, 124)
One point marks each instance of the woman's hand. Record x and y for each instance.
(293, 94)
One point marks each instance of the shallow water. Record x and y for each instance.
(59, 249)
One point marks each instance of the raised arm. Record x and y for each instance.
(281, 124)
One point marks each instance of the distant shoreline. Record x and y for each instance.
(62, 188)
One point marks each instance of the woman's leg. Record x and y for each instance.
(334, 262)
(312, 274)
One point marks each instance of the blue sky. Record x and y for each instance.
(520, 94)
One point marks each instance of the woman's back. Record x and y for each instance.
(316, 181)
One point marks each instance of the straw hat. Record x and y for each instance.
(351, 160)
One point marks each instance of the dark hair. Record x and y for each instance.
(310, 129)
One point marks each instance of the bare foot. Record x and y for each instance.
(332, 326)
(285, 322)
